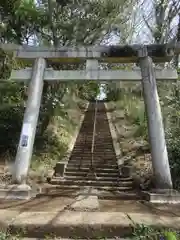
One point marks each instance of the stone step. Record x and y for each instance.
(87, 150)
(75, 187)
(88, 144)
(86, 147)
(99, 140)
(97, 157)
(96, 162)
(85, 168)
(60, 181)
(88, 164)
(99, 143)
(86, 154)
(99, 174)
(106, 177)
(102, 192)
(65, 224)
(88, 177)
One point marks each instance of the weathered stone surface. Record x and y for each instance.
(162, 196)
(83, 224)
(115, 139)
(70, 223)
(97, 75)
(118, 53)
(18, 192)
(85, 203)
(42, 216)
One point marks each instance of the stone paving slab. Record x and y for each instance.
(71, 224)
(85, 203)
(42, 216)
(83, 224)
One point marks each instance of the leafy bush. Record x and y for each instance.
(10, 126)
(173, 143)
(145, 232)
(171, 112)
(134, 109)
(113, 95)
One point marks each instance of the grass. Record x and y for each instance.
(140, 232)
(134, 110)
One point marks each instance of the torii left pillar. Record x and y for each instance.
(28, 131)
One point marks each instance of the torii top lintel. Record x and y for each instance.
(116, 53)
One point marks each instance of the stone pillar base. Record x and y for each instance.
(17, 192)
(169, 196)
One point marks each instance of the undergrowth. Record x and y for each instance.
(52, 146)
(134, 110)
(144, 232)
(49, 147)
(132, 104)
(140, 232)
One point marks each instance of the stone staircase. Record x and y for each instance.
(105, 178)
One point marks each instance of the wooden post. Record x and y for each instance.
(157, 141)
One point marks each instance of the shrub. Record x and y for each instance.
(10, 126)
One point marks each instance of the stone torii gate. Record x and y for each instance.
(144, 55)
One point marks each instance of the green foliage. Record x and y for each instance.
(89, 90)
(170, 102)
(173, 141)
(11, 111)
(134, 110)
(112, 93)
(6, 234)
(10, 125)
(144, 232)
(20, 20)
(65, 23)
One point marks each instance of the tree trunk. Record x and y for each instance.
(176, 58)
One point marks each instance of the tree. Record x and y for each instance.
(160, 19)
(72, 24)
(47, 22)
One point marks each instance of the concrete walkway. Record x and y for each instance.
(46, 216)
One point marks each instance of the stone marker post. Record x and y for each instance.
(157, 141)
(28, 131)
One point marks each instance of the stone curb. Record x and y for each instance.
(115, 140)
(76, 132)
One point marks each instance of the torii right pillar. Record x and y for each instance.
(156, 134)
